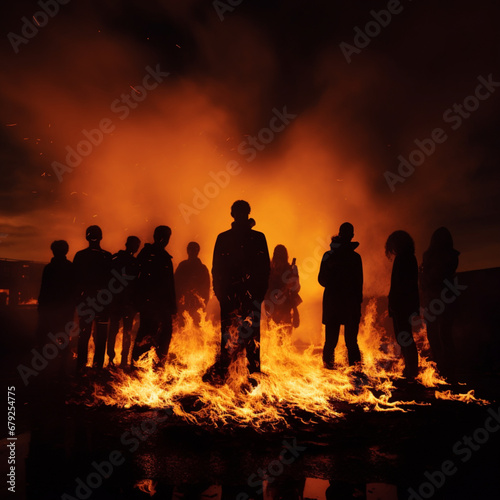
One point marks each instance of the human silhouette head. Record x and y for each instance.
(161, 235)
(280, 254)
(59, 248)
(93, 234)
(240, 210)
(399, 243)
(441, 239)
(346, 232)
(193, 249)
(132, 244)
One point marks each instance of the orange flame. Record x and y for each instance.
(293, 383)
(147, 486)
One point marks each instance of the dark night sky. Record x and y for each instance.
(354, 119)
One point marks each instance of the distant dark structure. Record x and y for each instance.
(404, 302)
(240, 275)
(156, 292)
(341, 273)
(19, 282)
(282, 297)
(124, 305)
(192, 284)
(57, 298)
(93, 274)
(439, 265)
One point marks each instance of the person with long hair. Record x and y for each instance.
(282, 297)
(439, 263)
(404, 300)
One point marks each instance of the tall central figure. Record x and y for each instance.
(240, 275)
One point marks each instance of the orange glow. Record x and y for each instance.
(291, 381)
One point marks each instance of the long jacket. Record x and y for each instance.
(403, 295)
(192, 280)
(93, 270)
(341, 273)
(155, 283)
(240, 264)
(437, 265)
(58, 288)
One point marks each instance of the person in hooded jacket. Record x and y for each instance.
(439, 263)
(341, 273)
(240, 275)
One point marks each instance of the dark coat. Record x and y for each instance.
(437, 265)
(93, 270)
(192, 279)
(341, 273)
(241, 264)
(125, 264)
(155, 283)
(403, 295)
(58, 288)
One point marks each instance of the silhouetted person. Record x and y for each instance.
(57, 299)
(403, 296)
(282, 297)
(192, 284)
(341, 273)
(440, 262)
(240, 276)
(124, 307)
(156, 292)
(93, 274)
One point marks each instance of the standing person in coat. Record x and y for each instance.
(57, 301)
(156, 292)
(93, 273)
(341, 273)
(123, 307)
(404, 300)
(440, 262)
(192, 284)
(240, 276)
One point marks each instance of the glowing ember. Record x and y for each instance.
(147, 486)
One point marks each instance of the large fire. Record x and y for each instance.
(293, 385)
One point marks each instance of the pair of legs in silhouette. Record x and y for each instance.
(155, 330)
(332, 331)
(240, 330)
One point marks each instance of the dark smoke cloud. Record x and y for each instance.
(265, 54)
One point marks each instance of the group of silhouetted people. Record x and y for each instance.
(341, 274)
(108, 290)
